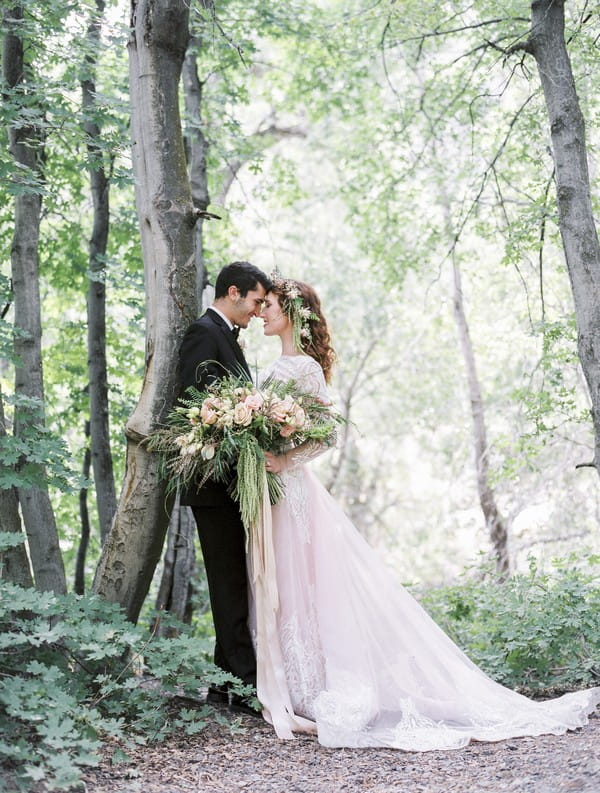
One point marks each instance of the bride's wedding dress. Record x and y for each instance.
(345, 652)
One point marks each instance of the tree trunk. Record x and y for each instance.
(175, 588)
(84, 519)
(495, 524)
(96, 297)
(575, 217)
(166, 215)
(175, 591)
(493, 519)
(26, 145)
(14, 564)
(197, 145)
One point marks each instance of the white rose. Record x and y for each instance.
(242, 414)
(225, 420)
(298, 417)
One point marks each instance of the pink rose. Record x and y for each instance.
(207, 413)
(254, 401)
(287, 430)
(280, 408)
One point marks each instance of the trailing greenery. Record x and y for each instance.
(535, 631)
(75, 673)
(38, 455)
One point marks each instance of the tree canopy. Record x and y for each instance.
(369, 149)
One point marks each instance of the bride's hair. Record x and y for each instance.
(317, 342)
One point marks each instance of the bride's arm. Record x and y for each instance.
(312, 381)
(293, 458)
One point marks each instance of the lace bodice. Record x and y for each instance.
(303, 370)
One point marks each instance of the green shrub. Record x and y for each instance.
(535, 631)
(73, 672)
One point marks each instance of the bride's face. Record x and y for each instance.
(275, 321)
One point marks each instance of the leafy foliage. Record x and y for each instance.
(38, 455)
(535, 631)
(75, 672)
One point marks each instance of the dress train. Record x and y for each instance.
(344, 651)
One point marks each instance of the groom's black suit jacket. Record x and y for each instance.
(209, 351)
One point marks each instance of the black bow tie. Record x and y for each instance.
(236, 331)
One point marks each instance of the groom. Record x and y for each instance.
(209, 352)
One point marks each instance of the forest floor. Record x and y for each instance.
(251, 758)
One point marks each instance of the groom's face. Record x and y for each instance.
(243, 309)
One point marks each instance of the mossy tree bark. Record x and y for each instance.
(166, 214)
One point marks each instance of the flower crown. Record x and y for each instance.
(292, 305)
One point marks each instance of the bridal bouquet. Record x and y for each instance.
(223, 432)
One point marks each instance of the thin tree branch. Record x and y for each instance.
(486, 174)
(347, 402)
(541, 255)
(234, 166)
(451, 31)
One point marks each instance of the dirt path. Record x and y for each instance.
(255, 760)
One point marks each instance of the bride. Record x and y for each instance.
(343, 651)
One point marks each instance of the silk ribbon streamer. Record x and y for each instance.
(271, 683)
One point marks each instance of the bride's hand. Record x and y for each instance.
(274, 463)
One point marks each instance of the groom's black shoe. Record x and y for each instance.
(217, 696)
(239, 704)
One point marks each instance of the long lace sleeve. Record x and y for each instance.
(307, 451)
(309, 377)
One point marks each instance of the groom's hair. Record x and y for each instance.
(243, 275)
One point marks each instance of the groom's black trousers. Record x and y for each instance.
(222, 541)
